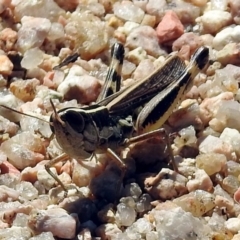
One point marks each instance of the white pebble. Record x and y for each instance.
(214, 20)
(233, 224)
(27, 190)
(128, 11)
(125, 215)
(32, 58)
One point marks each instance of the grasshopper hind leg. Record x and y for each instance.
(155, 133)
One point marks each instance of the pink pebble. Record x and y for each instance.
(170, 28)
(7, 167)
(237, 196)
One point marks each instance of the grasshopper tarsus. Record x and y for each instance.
(70, 59)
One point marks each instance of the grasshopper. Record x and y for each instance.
(81, 132)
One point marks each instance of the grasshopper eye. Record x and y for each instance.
(75, 120)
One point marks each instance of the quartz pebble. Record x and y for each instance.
(32, 32)
(198, 202)
(211, 162)
(201, 181)
(44, 235)
(128, 11)
(213, 21)
(24, 90)
(55, 220)
(46, 8)
(176, 223)
(125, 215)
(83, 88)
(32, 58)
(23, 150)
(6, 65)
(145, 37)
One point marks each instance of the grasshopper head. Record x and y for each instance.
(74, 132)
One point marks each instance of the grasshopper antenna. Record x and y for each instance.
(56, 114)
(25, 114)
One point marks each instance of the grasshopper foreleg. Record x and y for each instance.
(52, 162)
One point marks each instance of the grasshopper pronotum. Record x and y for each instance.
(82, 132)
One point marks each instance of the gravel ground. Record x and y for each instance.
(149, 200)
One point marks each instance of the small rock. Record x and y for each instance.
(44, 235)
(145, 68)
(32, 58)
(133, 190)
(234, 8)
(144, 203)
(9, 37)
(8, 194)
(4, 4)
(214, 20)
(137, 55)
(7, 167)
(170, 28)
(24, 89)
(193, 41)
(219, 5)
(125, 215)
(6, 65)
(229, 54)
(148, 20)
(106, 231)
(23, 150)
(55, 220)
(201, 181)
(227, 114)
(8, 127)
(230, 184)
(237, 195)
(233, 168)
(56, 32)
(178, 224)
(222, 202)
(198, 202)
(232, 137)
(45, 9)
(37, 28)
(233, 225)
(27, 190)
(227, 35)
(145, 37)
(84, 89)
(128, 11)
(211, 162)
(215, 145)
(199, 3)
(15, 232)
